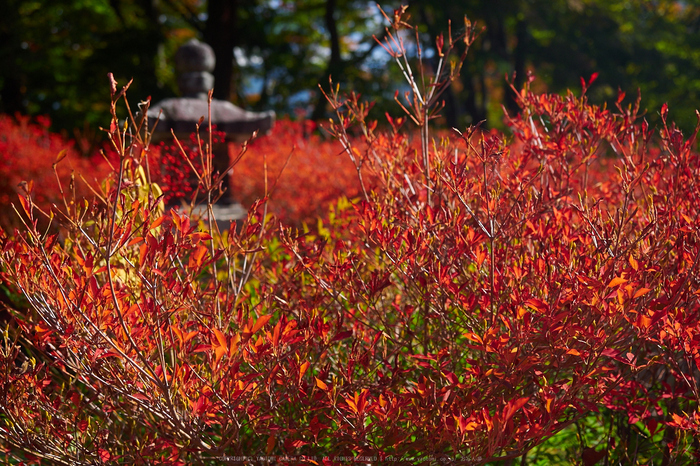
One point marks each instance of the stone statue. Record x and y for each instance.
(194, 62)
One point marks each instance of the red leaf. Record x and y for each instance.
(591, 456)
(112, 83)
(620, 96)
(276, 333)
(592, 79)
(342, 335)
(270, 444)
(83, 425)
(104, 455)
(439, 44)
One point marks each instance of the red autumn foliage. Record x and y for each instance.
(299, 171)
(306, 172)
(173, 173)
(28, 151)
(482, 296)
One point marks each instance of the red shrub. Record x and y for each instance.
(174, 170)
(27, 152)
(481, 297)
(306, 172)
(299, 171)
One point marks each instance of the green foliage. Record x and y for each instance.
(651, 46)
(54, 54)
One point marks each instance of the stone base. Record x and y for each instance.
(224, 214)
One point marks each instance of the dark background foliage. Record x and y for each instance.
(54, 55)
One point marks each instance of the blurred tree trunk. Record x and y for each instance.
(221, 34)
(519, 57)
(475, 97)
(11, 87)
(335, 62)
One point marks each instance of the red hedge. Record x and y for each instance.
(463, 311)
(27, 152)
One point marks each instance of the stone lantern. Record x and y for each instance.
(194, 62)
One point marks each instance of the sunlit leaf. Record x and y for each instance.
(616, 281)
(262, 320)
(321, 384)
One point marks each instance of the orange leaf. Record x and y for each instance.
(61, 155)
(513, 406)
(178, 333)
(616, 281)
(199, 236)
(157, 222)
(83, 425)
(480, 257)
(135, 240)
(634, 263)
(143, 250)
(537, 305)
(262, 320)
(220, 351)
(641, 292)
(351, 404)
(270, 444)
(302, 370)
(474, 337)
(321, 384)
(198, 255)
(176, 220)
(25, 205)
(234, 345)
(220, 337)
(644, 321)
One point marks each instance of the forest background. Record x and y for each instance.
(271, 54)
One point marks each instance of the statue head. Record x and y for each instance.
(194, 62)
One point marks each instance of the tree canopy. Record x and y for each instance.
(55, 55)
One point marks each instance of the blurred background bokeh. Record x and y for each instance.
(271, 54)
